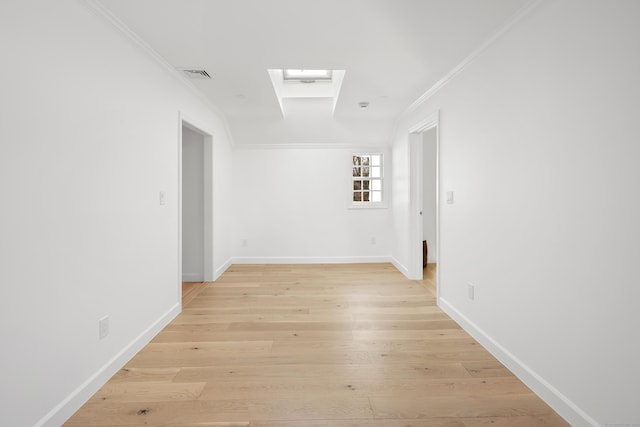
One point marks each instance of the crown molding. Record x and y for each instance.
(105, 13)
(310, 146)
(519, 15)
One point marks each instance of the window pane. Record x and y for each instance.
(367, 178)
(303, 75)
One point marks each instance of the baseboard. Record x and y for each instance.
(219, 271)
(312, 260)
(573, 414)
(401, 268)
(192, 277)
(65, 409)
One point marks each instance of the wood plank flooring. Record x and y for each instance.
(190, 290)
(314, 346)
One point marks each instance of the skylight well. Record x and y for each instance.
(307, 76)
(289, 83)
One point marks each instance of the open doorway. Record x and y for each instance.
(192, 206)
(196, 209)
(424, 147)
(429, 206)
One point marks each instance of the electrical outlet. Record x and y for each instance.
(471, 289)
(245, 243)
(103, 327)
(162, 201)
(373, 240)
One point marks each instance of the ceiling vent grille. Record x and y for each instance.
(195, 73)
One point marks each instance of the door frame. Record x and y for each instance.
(208, 264)
(416, 185)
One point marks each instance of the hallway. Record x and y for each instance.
(314, 345)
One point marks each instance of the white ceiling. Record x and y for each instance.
(392, 51)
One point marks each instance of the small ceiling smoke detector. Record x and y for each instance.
(196, 73)
(363, 104)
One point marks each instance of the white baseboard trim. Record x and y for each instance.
(401, 268)
(573, 414)
(312, 260)
(192, 277)
(65, 409)
(224, 267)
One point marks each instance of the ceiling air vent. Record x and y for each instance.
(195, 73)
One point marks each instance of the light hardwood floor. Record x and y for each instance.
(190, 290)
(311, 346)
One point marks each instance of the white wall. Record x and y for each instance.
(304, 125)
(89, 137)
(400, 221)
(429, 207)
(290, 205)
(539, 141)
(192, 206)
(223, 213)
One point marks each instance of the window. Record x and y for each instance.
(366, 177)
(306, 76)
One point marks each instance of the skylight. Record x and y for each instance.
(290, 84)
(306, 76)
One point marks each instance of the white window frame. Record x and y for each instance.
(383, 186)
(306, 76)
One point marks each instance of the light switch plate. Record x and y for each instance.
(103, 327)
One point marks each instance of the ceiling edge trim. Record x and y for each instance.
(121, 27)
(310, 146)
(520, 14)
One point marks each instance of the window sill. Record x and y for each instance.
(369, 205)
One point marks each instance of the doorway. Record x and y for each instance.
(429, 189)
(196, 204)
(192, 206)
(424, 224)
